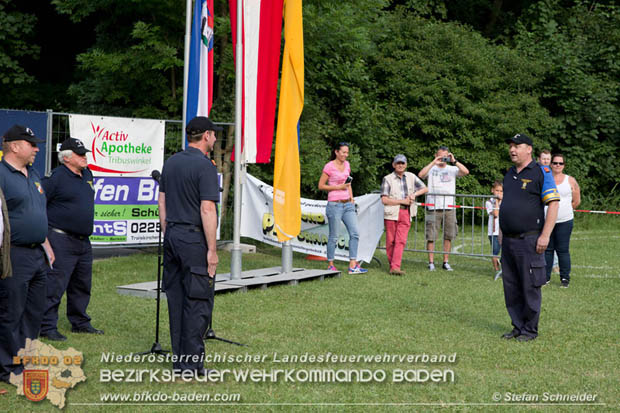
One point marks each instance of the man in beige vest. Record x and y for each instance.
(398, 192)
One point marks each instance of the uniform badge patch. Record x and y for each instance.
(39, 187)
(525, 182)
(36, 384)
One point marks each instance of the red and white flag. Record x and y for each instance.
(262, 31)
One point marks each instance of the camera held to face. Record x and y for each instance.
(446, 159)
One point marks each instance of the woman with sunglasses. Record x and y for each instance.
(336, 180)
(570, 198)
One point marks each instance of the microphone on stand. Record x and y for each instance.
(156, 175)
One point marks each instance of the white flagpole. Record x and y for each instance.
(188, 29)
(235, 259)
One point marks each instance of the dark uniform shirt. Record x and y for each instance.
(70, 200)
(25, 201)
(188, 177)
(525, 195)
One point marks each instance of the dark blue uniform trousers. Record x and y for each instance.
(189, 291)
(72, 272)
(523, 273)
(22, 303)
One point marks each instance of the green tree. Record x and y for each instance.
(578, 48)
(135, 66)
(16, 33)
(444, 84)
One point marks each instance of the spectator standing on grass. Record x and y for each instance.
(441, 181)
(544, 158)
(398, 193)
(336, 180)
(570, 198)
(492, 205)
(525, 236)
(70, 213)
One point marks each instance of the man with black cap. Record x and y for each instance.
(528, 187)
(22, 296)
(188, 193)
(70, 214)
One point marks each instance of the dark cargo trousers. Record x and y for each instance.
(189, 291)
(523, 273)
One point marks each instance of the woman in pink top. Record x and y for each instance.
(340, 206)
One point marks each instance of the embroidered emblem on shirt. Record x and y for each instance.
(525, 182)
(39, 187)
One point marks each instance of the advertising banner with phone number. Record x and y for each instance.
(126, 211)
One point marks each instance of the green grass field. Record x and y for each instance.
(458, 313)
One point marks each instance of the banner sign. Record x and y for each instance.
(126, 211)
(120, 146)
(257, 222)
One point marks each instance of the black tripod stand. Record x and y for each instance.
(210, 334)
(156, 347)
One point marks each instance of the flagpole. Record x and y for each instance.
(188, 28)
(235, 259)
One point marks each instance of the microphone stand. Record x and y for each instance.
(156, 348)
(210, 334)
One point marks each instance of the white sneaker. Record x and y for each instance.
(446, 267)
(431, 266)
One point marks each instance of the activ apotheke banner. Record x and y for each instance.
(257, 222)
(120, 146)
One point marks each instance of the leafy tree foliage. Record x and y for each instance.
(578, 48)
(16, 32)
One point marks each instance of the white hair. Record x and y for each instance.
(62, 155)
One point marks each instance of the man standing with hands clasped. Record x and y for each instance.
(398, 193)
(70, 212)
(528, 187)
(188, 193)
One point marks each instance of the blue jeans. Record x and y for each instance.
(559, 242)
(337, 211)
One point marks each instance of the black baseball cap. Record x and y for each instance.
(76, 145)
(20, 133)
(520, 138)
(201, 124)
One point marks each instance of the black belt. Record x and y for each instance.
(523, 235)
(404, 207)
(60, 231)
(191, 227)
(31, 246)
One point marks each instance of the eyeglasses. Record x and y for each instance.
(401, 163)
(557, 163)
(343, 144)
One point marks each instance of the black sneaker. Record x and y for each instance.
(564, 283)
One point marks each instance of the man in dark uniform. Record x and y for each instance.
(188, 193)
(528, 187)
(70, 214)
(22, 296)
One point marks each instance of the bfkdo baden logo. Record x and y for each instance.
(116, 151)
(36, 384)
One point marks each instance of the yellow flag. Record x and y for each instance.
(286, 174)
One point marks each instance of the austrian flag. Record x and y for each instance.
(262, 31)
